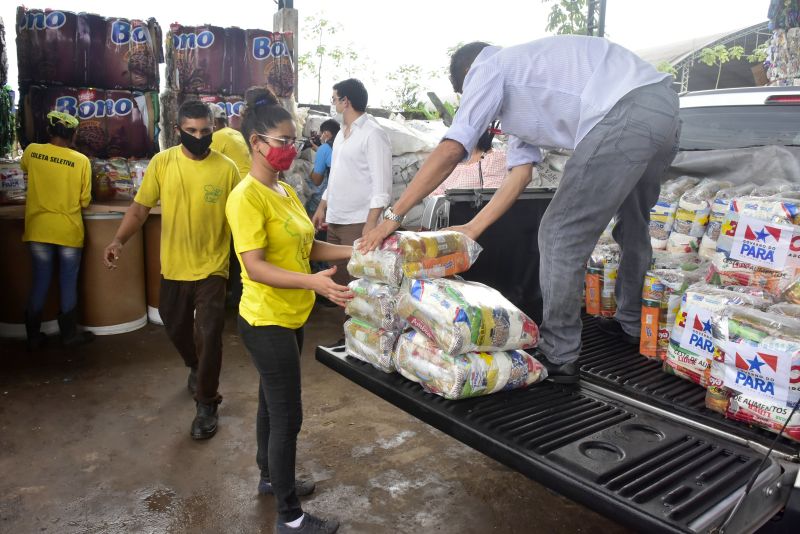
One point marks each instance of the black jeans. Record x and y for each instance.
(276, 354)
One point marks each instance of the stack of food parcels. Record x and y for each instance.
(466, 338)
(117, 178)
(662, 215)
(13, 182)
(692, 215)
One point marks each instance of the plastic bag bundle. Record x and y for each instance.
(661, 301)
(755, 245)
(669, 260)
(464, 375)
(375, 304)
(772, 187)
(13, 183)
(692, 215)
(369, 344)
(662, 215)
(719, 207)
(418, 255)
(111, 179)
(137, 168)
(466, 316)
(755, 374)
(601, 280)
(785, 308)
(691, 346)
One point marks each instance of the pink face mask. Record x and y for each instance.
(281, 159)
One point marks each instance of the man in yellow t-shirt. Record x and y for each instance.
(59, 185)
(192, 182)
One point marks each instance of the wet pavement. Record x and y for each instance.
(97, 441)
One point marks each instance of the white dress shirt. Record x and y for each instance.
(549, 92)
(361, 173)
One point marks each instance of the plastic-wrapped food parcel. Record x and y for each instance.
(420, 255)
(755, 375)
(370, 344)
(375, 304)
(692, 215)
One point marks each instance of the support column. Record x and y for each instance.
(285, 20)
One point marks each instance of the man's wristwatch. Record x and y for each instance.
(392, 216)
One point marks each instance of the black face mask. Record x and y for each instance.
(196, 146)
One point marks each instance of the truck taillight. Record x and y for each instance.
(783, 99)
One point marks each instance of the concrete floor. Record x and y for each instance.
(97, 440)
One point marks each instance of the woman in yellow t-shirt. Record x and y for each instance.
(59, 185)
(274, 241)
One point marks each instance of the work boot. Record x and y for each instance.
(612, 327)
(310, 525)
(191, 383)
(68, 326)
(33, 331)
(560, 373)
(301, 487)
(204, 425)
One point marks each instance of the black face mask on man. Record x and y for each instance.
(196, 146)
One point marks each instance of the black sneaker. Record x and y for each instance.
(310, 525)
(339, 343)
(204, 425)
(301, 487)
(560, 373)
(611, 327)
(191, 383)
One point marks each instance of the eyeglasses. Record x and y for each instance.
(285, 141)
(335, 99)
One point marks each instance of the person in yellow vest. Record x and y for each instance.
(192, 182)
(59, 185)
(274, 241)
(229, 141)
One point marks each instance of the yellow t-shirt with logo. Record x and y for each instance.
(262, 219)
(231, 143)
(59, 185)
(195, 238)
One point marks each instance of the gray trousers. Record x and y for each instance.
(616, 169)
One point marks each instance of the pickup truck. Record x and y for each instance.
(630, 441)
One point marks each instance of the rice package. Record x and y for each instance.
(661, 301)
(755, 375)
(375, 304)
(464, 375)
(719, 207)
(692, 215)
(601, 280)
(465, 316)
(370, 344)
(417, 255)
(111, 179)
(13, 183)
(756, 246)
(662, 215)
(691, 346)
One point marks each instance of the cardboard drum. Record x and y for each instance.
(152, 259)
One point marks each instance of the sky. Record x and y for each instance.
(386, 35)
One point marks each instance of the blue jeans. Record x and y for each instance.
(43, 258)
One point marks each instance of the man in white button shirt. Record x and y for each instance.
(360, 181)
(619, 115)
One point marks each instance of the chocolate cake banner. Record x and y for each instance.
(63, 48)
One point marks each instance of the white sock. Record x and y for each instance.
(296, 523)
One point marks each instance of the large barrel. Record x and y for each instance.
(16, 276)
(152, 259)
(111, 301)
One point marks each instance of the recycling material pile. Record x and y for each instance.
(782, 64)
(457, 339)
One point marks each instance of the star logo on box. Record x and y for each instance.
(757, 372)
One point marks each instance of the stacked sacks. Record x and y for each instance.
(467, 340)
(662, 215)
(719, 208)
(117, 178)
(691, 346)
(374, 326)
(692, 215)
(755, 375)
(601, 279)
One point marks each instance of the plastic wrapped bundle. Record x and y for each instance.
(601, 280)
(369, 344)
(691, 346)
(13, 183)
(137, 168)
(111, 179)
(755, 244)
(661, 302)
(464, 375)
(375, 304)
(669, 260)
(418, 255)
(719, 207)
(466, 316)
(662, 215)
(691, 217)
(753, 377)
(785, 308)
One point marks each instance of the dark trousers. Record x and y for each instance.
(43, 259)
(276, 354)
(194, 316)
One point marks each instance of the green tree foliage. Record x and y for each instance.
(666, 66)
(324, 50)
(719, 55)
(566, 16)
